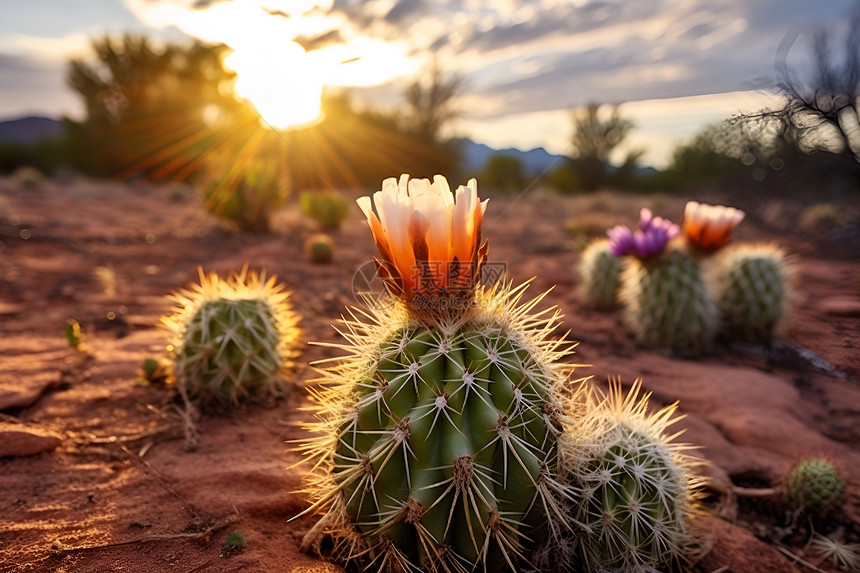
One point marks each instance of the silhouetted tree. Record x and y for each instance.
(594, 138)
(430, 102)
(821, 105)
(149, 108)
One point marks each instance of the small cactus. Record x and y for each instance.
(751, 284)
(73, 333)
(319, 248)
(667, 304)
(327, 208)
(154, 370)
(636, 486)
(233, 339)
(599, 270)
(814, 486)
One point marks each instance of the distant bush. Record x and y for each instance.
(248, 199)
(503, 173)
(327, 208)
(28, 176)
(564, 179)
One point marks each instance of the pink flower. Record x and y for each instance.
(648, 241)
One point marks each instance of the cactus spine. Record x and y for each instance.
(437, 431)
(636, 487)
(233, 339)
(599, 270)
(751, 287)
(814, 486)
(667, 304)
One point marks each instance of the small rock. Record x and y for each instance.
(840, 306)
(18, 440)
(22, 389)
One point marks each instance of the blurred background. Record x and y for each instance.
(251, 102)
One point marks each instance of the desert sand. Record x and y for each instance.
(94, 472)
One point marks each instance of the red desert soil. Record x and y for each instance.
(114, 489)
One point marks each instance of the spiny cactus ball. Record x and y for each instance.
(599, 270)
(814, 486)
(319, 248)
(667, 304)
(636, 487)
(750, 284)
(441, 441)
(233, 339)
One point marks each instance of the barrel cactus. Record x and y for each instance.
(636, 487)
(666, 303)
(814, 486)
(233, 339)
(751, 285)
(319, 248)
(436, 443)
(599, 270)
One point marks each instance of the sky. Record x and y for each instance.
(675, 66)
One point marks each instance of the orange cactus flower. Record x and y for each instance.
(428, 238)
(710, 226)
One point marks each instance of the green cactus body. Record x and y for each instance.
(751, 287)
(319, 248)
(233, 339)
(814, 486)
(73, 333)
(599, 270)
(667, 304)
(635, 487)
(441, 441)
(327, 208)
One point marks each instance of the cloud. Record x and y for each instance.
(538, 55)
(33, 86)
(311, 43)
(48, 49)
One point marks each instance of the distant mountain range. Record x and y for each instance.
(535, 161)
(29, 129)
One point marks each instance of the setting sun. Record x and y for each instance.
(279, 81)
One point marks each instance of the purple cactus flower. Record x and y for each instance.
(649, 240)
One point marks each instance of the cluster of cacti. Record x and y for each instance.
(750, 285)
(327, 208)
(449, 438)
(666, 303)
(599, 271)
(319, 248)
(680, 293)
(635, 488)
(814, 486)
(232, 339)
(438, 432)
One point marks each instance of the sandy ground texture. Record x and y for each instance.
(94, 473)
